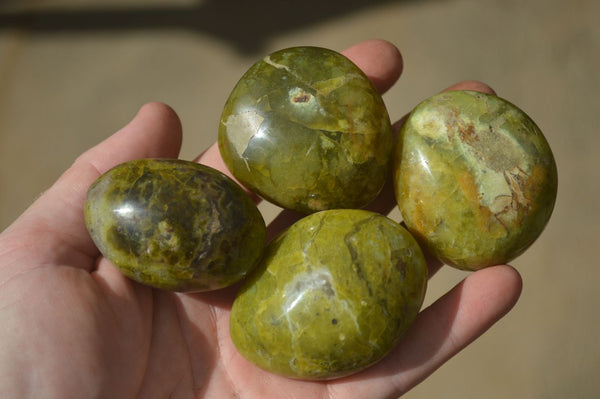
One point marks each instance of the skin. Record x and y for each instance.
(71, 325)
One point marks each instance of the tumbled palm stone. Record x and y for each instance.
(332, 295)
(174, 224)
(307, 130)
(474, 178)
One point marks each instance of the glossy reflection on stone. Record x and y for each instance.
(306, 129)
(174, 224)
(332, 295)
(474, 177)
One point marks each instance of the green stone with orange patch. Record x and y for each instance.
(475, 178)
(305, 129)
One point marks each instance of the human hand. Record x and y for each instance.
(73, 326)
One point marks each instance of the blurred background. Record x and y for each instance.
(73, 72)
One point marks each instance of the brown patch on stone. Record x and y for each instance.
(468, 134)
(301, 98)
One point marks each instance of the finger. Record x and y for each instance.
(56, 218)
(380, 60)
(439, 332)
(471, 85)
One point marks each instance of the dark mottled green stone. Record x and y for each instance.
(332, 295)
(475, 178)
(307, 130)
(174, 224)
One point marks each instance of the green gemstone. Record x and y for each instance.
(332, 295)
(307, 130)
(474, 177)
(174, 224)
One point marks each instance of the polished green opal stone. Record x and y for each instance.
(174, 224)
(307, 130)
(474, 177)
(332, 295)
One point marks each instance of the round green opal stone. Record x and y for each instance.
(332, 295)
(474, 177)
(306, 129)
(174, 224)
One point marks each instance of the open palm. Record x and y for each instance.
(72, 326)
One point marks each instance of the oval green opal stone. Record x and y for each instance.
(474, 177)
(174, 224)
(305, 129)
(332, 295)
